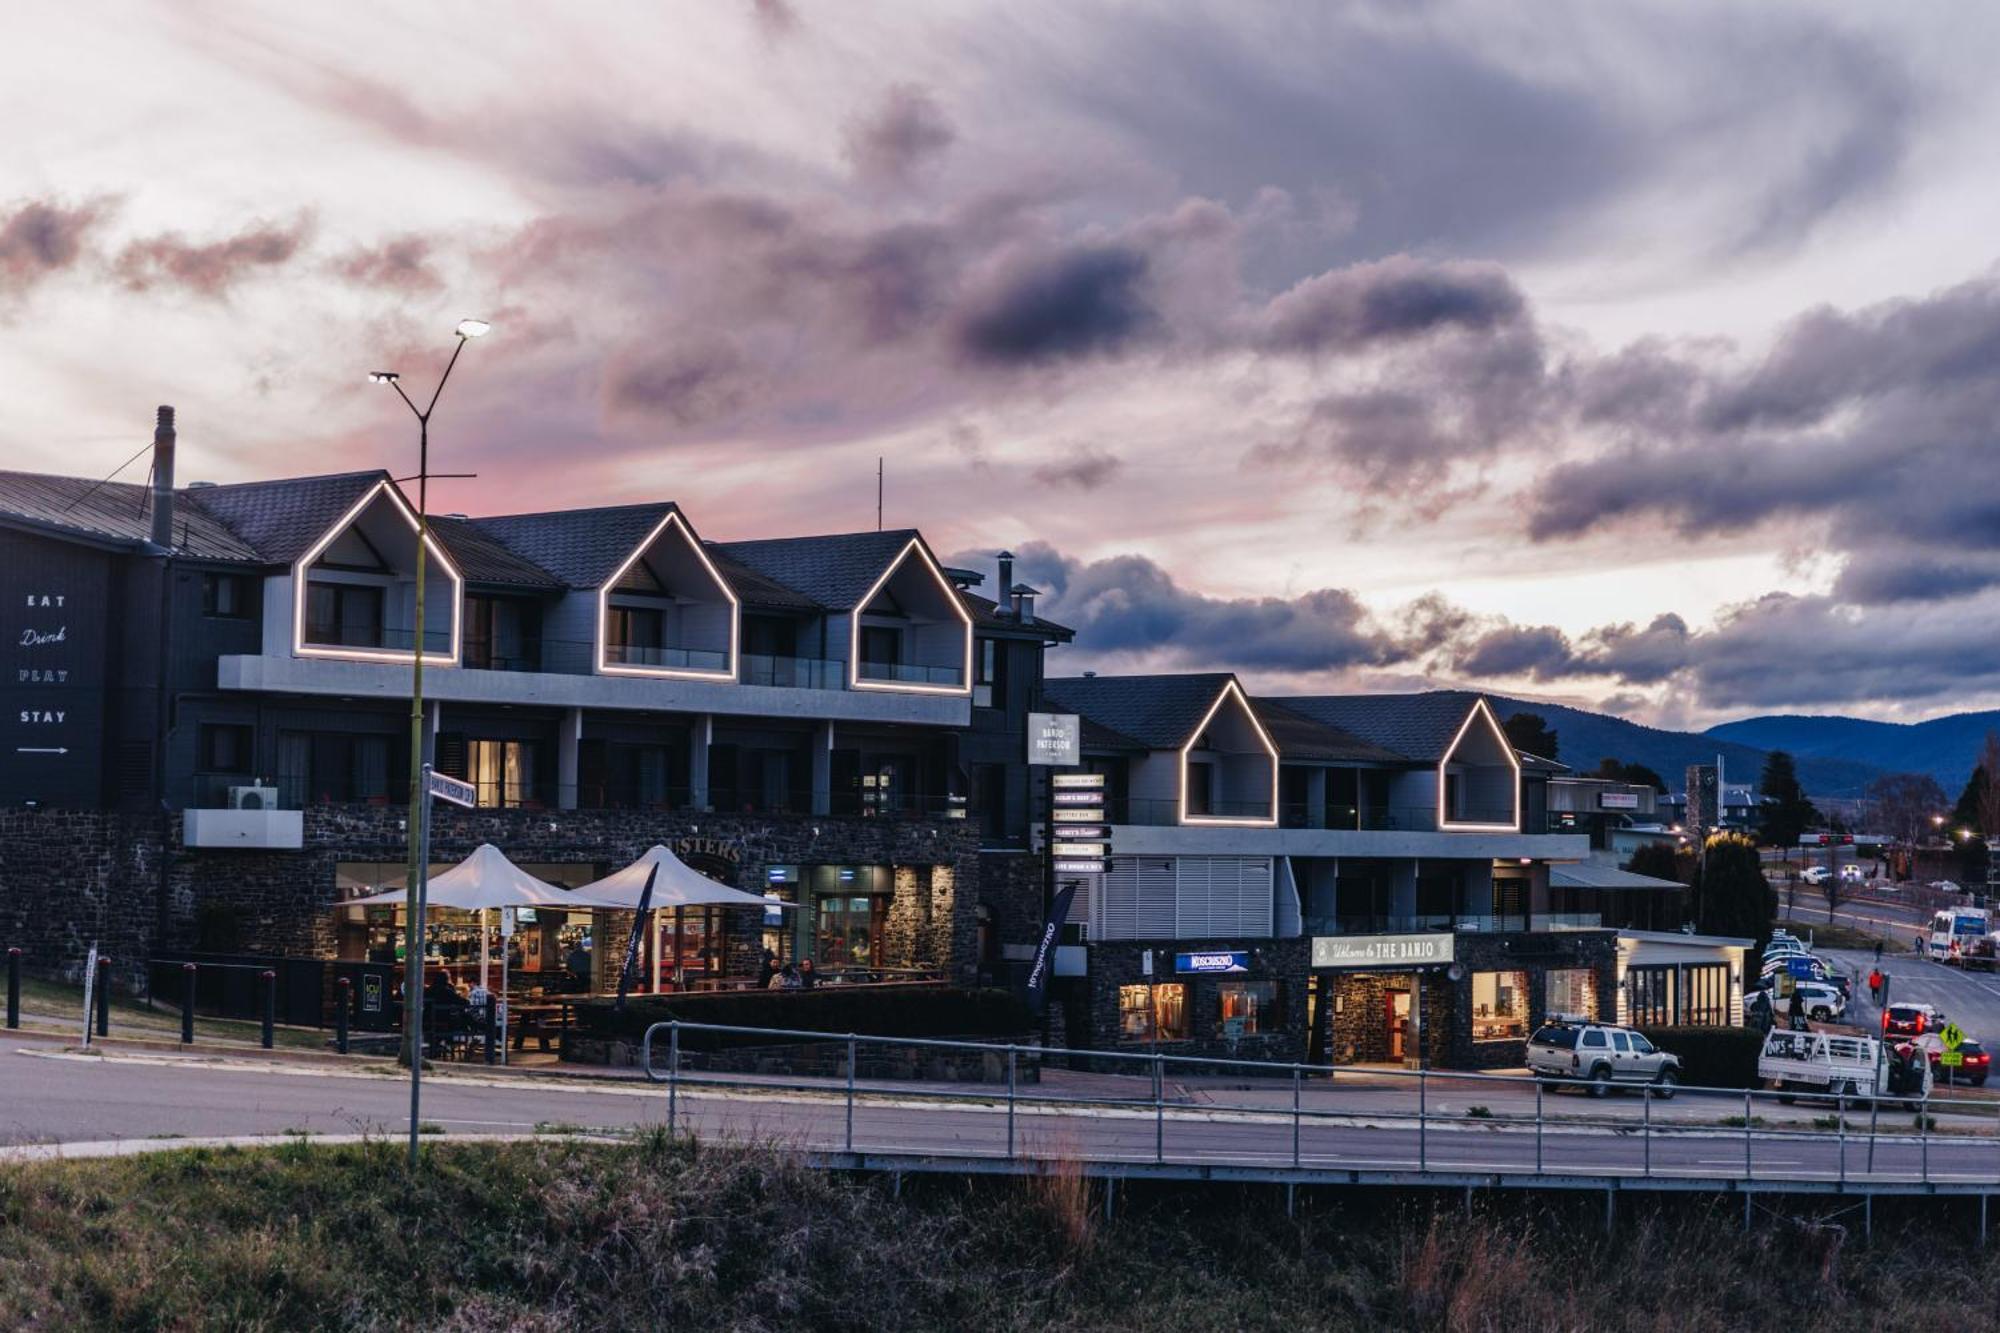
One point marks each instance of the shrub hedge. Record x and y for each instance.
(900, 1011)
(1712, 1057)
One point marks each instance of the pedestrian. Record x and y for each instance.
(1878, 951)
(768, 970)
(1875, 985)
(1795, 1013)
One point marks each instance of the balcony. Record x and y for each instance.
(909, 673)
(677, 659)
(363, 635)
(793, 673)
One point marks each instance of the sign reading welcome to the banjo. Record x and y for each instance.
(1381, 950)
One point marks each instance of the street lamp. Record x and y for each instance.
(414, 904)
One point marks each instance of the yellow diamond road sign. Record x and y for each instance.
(1953, 1036)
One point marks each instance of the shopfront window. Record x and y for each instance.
(1705, 994)
(847, 931)
(781, 886)
(1146, 1011)
(1499, 1006)
(690, 945)
(1650, 996)
(1249, 1007)
(1572, 990)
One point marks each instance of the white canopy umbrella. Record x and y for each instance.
(675, 884)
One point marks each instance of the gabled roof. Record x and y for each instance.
(1300, 737)
(753, 589)
(836, 571)
(986, 615)
(483, 558)
(117, 513)
(583, 548)
(1159, 712)
(282, 519)
(1416, 726)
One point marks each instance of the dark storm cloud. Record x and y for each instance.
(403, 262)
(39, 238)
(907, 131)
(1518, 650)
(209, 268)
(1347, 310)
(1084, 300)
(1084, 469)
(685, 385)
(1876, 577)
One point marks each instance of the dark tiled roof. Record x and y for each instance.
(280, 519)
(753, 589)
(986, 615)
(835, 571)
(1300, 737)
(483, 558)
(581, 547)
(1416, 726)
(117, 512)
(1159, 712)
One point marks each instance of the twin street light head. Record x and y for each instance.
(467, 328)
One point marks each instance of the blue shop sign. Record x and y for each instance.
(1226, 961)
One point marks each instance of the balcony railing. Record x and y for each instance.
(678, 659)
(374, 636)
(510, 655)
(793, 673)
(910, 673)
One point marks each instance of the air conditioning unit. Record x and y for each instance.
(253, 798)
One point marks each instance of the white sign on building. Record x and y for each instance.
(1055, 739)
(1381, 950)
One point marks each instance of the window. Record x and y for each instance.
(503, 771)
(1593, 1039)
(989, 687)
(1249, 1007)
(225, 748)
(635, 635)
(1562, 1038)
(847, 929)
(881, 645)
(1572, 990)
(1640, 1046)
(226, 596)
(1199, 787)
(1147, 1011)
(1621, 1043)
(345, 614)
(1705, 994)
(1499, 1006)
(1649, 996)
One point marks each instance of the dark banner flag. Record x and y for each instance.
(638, 933)
(1045, 951)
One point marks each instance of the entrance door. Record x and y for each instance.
(1397, 1005)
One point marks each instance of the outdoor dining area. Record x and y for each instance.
(510, 956)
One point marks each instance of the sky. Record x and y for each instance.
(1639, 356)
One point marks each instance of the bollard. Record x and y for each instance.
(270, 980)
(187, 1004)
(492, 1015)
(343, 993)
(103, 997)
(13, 988)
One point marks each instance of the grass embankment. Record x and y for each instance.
(659, 1235)
(1837, 936)
(53, 1003)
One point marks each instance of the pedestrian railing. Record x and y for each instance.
(1252, 1116)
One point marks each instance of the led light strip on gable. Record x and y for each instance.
(1480, 708)
(1249, 821)
(606, 667)
(854, 679)
(302, 568)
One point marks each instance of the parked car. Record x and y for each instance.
(1946, 886)
(1823, 1000)
(1816, 875)
(1975, 1062)
(1601, 1055)
(1851, 873)
(1839, 1064)
(1911, 1020)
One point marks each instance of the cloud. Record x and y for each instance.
(1083, 300)
(1349, 309)
(402, 262)
(686, 385)
(209, 268)
(1085, 469)
(906, 132)
(774, 18)
(40, 238)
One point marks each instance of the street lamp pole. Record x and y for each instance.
(414, 897)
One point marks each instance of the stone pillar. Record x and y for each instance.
(1413, 1041)
(822, 768)
(1315, 798)
(699, 737)
(569, 735)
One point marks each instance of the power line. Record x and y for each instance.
(96, 486)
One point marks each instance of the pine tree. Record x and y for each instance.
(1786, 813)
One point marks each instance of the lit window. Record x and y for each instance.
(1146, 1010)
(1499, 1006)
(1572, 990)
(1249, 1007)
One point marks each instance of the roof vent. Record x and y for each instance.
(1090, 675)
(457, 516)
(201, 486)
(1024, 602)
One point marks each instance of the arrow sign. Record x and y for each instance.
(41, 749)
(447, 788)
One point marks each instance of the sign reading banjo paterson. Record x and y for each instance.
(1381, 950)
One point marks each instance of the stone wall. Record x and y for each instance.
(1115, 964)
(70, 878)
(1450, 1043)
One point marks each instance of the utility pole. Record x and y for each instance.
(878, 493)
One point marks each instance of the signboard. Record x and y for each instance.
(1079, 781)
(371, 992)
(1082, 832)
(1381, 950)
(1055, 739)
(1080, 796)
(1092, 865)
(1953, 1036)
(1228, 960)
(1066, 815)
(1618, 800)
(454, 790)
(1045, 948)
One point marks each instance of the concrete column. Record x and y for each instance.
(1315, 798)
(822, 768)
(700, 736)
(433, 724)
(1402, 889)
(569, 735)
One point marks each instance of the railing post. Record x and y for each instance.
(187, 1004)
(852, 1042)
(673, 1076)
(1298, 1080)
(1749, 1169)
(270, 980)
(343, 1001)
(1924, 1133)
(491, 1022)
(1646, 1129)
(1423, 1120)
(1013, 1060)
(13, 988)
(1159, 1109)
(1538, 1127)
(1840, 1115)
(1874, 1120)
(103, 997)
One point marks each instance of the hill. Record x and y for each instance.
(1585, 737)
(1947, 748)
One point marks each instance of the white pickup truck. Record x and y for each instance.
(1837, 1064)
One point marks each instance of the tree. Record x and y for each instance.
(1662, 860)
(1617, 770)
(1785, 812)
(1530, 733)
(1732, 897)
(1903, 804)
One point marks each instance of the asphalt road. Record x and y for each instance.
(50, 1097)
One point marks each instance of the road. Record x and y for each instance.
(51, 1096)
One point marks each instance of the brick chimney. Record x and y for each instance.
(163, 479)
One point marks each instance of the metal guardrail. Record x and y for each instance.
(1647, 1142)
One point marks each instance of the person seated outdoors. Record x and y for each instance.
(787, 978)
(808, 976)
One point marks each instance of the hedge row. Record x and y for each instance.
(900, 1011)
(1712, 1057)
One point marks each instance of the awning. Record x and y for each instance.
(1597, 875)
(676, 885)
(488, 879)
